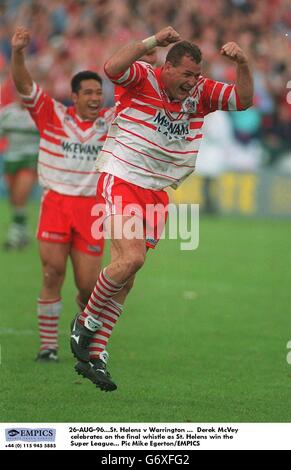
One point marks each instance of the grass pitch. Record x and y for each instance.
(202, 339)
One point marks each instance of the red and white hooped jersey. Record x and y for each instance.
(69, 146)
(153, 142)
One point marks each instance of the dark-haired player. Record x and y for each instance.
(71, 138)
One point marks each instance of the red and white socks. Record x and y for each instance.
(48, 313)
(109, 316)
(101, 313)
(104, 290)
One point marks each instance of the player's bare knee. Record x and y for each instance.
(133, 263)
(53, 275)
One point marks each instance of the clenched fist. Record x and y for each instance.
(167, 36)
(234, 52)
(20, 39)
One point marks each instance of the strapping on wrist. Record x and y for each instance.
(150, 42)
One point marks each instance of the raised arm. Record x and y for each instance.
(124, 57)
(244, 80)
(20, 74)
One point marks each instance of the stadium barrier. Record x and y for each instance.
(266, 193)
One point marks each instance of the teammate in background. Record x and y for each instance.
(70, 141)
(152, 144)
(20, 160)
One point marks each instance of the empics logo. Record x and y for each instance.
(13, 432)
(30, 435)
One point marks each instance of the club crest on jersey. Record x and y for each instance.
(190, 105)
(100, 123)
(69, 119)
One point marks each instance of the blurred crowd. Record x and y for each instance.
(72, 35)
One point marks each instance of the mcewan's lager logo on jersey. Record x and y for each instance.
(171, 129)
(77, 151)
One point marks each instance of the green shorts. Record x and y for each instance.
(27, 162)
